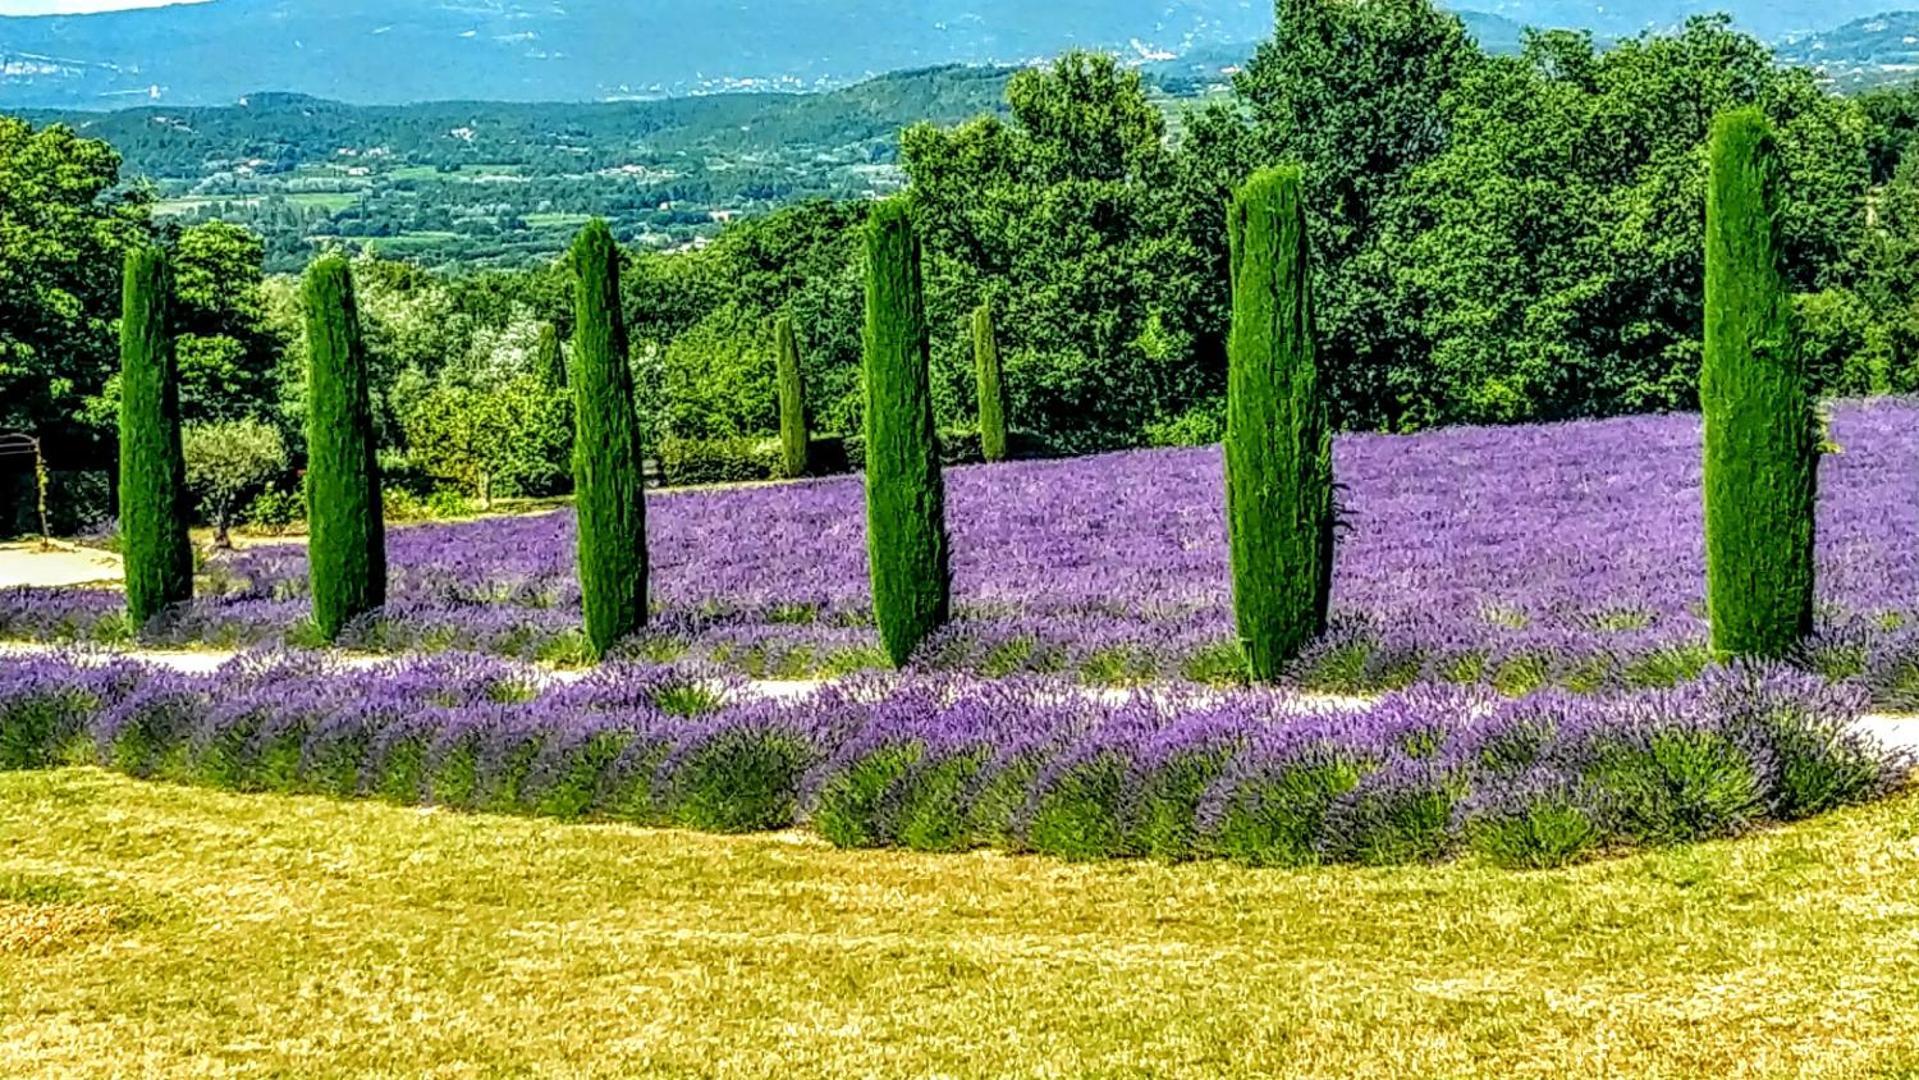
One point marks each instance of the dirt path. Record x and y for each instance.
(61, 565)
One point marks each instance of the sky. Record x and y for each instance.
(69, 7)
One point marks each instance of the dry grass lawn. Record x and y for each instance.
(153, 930)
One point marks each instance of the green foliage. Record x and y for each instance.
(229, 462)
(992, 390)
(696, 462)
(794, 441)
(744, 780)
(1762, 451)
(1068, 220)
(1546, 281)
(65, 223)
(509, 438)
(905, 492)
(227, 349)
(848, 810)
(1279, 465)
(1079, 814)
(346, 545)
(607, 458)
(153, 492)
(1356, 95)
(1276, 820)
(549, 364)
(1681, 787)
(1540, 831)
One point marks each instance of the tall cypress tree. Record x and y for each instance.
(346, 540)
(608, 477)
(794, 440)
(1762, 444)
(905, 493)
(549, 359)
(992, 389)
(153, 499)
(1279, 471)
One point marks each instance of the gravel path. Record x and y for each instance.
(60, 566)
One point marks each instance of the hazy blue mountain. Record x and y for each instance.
(408, 50)
(386, 51)
(1862, 52)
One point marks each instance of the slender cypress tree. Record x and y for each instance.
(1762, 442)
(794, 440)
(346, 539)
(905, 494)
(992, 390)
(549, 360)
(609, 483)
(153, 500)
(1279, 471)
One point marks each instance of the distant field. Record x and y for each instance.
(154, 930)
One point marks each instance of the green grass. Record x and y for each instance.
(556, 220)
(155, 930)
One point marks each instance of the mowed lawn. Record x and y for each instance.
(157, 930)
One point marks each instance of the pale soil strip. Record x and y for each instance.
(1894, 732)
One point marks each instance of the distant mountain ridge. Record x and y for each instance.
(397, 51)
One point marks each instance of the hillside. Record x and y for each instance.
(383, 51)
(391, 51)
(1866, 52)
(493, 183)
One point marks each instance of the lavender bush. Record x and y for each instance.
(1565, 555)
(945, 763)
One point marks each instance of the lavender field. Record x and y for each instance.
(1566, 554)
(949, 763)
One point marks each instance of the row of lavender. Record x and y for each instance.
(946, 765)
(1566, 554)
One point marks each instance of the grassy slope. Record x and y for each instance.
(152, 929)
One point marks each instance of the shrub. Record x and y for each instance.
(932, 811)
(228, 461)
(1270, 808)
(1171, 778)
(1078, 805)
(1675, 785)
(40, 715)
(1279, 489)
(607, 461)
(848, 808)
(905, 494)
(1400, 814)
(153, 493)
(689, 462)
(992, 387)
(737, 778)
(1541, 821)
(1762, 448)
(346, 522)
(794, 442)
